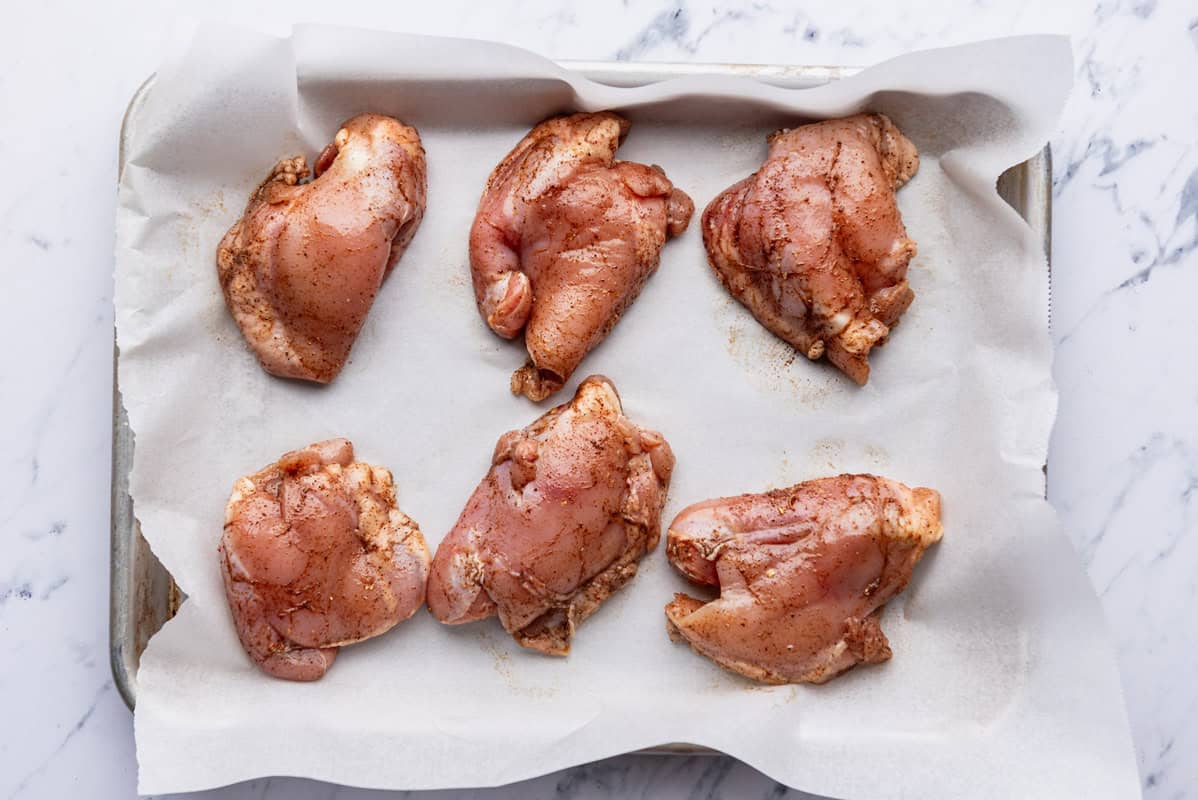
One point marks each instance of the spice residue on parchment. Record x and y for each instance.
(770, 364)
(502, 663)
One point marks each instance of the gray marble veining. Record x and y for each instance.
(1124, 456)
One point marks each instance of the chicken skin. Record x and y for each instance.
(564, 239)
(301, 268)
(316, 555)
(803, 574)
(571, 503)
(813, 243)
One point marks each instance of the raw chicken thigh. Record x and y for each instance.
(571, 503)
(316, 555)
(813, 242)
(564, 239)
(302, 266)
(803, 574)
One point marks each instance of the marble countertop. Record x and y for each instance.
(1124, 454)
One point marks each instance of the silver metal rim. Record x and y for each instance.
(1026, 187)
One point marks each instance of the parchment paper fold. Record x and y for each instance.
(1003, 683)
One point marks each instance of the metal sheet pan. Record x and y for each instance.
(143, 594)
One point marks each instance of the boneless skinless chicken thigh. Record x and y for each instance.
(803, 574)
(813, 242)
(301, 268)
(316, 555)
(571, 503)
(564, 238)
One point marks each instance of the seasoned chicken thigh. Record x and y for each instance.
(302, 266)
(316, 555)
(571, 503)
(564, 239)
(803, 574)
(813, 242)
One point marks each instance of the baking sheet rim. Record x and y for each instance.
(1026, 186)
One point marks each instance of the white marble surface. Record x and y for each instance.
(1124, 456)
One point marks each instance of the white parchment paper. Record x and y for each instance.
(1002, 685)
